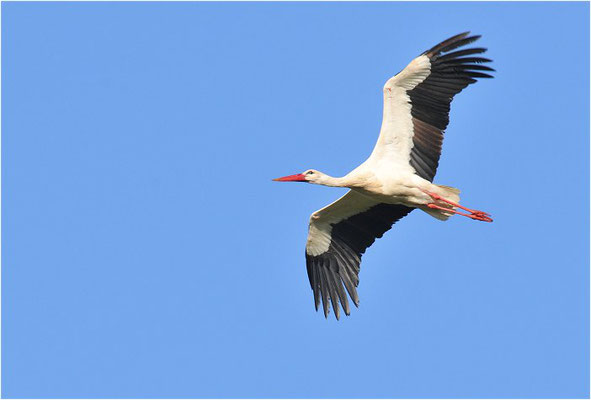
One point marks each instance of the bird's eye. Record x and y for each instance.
(309, 172)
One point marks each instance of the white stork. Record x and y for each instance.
(397, 176)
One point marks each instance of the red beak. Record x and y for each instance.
(292, 178)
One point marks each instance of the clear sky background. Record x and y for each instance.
(147, 253)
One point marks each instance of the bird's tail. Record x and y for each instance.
(449, 193)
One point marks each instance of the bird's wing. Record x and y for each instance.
(337, 237)
(417, 102)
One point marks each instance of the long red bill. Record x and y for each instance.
(292, 178)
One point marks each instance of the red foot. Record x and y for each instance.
(474, 214)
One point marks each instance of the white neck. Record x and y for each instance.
(345, 181)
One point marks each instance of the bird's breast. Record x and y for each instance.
(397, 190)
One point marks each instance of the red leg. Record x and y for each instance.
(474, 214)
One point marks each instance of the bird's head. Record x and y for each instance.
(310, 176)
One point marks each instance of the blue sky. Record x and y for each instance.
(147, 253)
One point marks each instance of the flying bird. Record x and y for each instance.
(397, 177)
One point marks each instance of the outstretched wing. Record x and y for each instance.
(417, 103)
(338, 235)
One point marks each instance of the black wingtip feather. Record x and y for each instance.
(479, 75)
(466, 60)
(324, 292)
(438, 47)
(338, 284)
(334, 299)
(459, 43)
